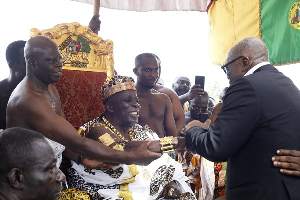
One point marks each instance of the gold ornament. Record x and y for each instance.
(116, 84)
(116, 132)
(166, 144)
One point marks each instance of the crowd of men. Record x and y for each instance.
(257, 119)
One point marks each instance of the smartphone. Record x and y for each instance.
(202, 117)
(200, 80)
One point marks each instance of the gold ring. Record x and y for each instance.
(170, 193)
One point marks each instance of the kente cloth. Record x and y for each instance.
(186, 106)
(220, 182)
(58, 149)
(129, 182)
(73, 194)
(200, 172)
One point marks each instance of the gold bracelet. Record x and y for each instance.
(166, 144)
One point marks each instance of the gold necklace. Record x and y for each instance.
(115, 131)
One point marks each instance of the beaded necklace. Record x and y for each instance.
(116, 132)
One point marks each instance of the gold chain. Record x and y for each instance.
(131, 134)
(115, 131)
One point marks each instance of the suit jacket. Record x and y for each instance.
(261, 114)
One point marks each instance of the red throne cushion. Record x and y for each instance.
(80, 95)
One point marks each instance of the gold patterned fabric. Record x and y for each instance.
(80, 97)
(220, 182)
(200, 172)
(128, 182)
(73, 194)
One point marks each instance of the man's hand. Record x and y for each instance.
(140, 154)
(155, 146)
(195, 90)
(180, 143)
(94, 164)
(94, 24)
(196, 123)
(288, 161)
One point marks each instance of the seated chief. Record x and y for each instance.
(163, 178)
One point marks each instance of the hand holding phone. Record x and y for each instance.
(200, 80)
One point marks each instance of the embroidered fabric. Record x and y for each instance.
(58, 149)
(133, 181)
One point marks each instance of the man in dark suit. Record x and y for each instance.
(259, 116)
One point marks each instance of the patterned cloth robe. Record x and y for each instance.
(129, 182)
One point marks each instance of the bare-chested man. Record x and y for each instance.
(178, 113)
(35, 105)
(17, 66)
(156, 108)
(16, 62)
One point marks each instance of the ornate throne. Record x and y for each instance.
(87, 63)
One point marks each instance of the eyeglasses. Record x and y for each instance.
(225, 67)
(187, 83)
(197, 108)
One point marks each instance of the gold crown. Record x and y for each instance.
(116, 84)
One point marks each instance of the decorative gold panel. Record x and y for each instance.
(81, 49)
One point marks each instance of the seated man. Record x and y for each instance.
(28, 166)
(116, 128)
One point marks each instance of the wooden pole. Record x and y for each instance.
(96, 7)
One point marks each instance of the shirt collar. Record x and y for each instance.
(256, 67)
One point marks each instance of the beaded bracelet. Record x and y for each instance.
(166, 144)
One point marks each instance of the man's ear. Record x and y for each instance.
(16, 178)
(173, 86)
(134, 71)
(246, 64)
(32, 62)
(109, 107)
(12, 65)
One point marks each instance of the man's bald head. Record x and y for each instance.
(181, 85)
(245, 55)
(198, 106)
(251, 47)
(37, 46)
(43, 59)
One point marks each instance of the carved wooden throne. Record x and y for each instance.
(88, 61)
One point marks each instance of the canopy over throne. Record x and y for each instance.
(87, 63)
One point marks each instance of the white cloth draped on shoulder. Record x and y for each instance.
(130, 181)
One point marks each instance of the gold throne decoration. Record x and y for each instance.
(81, 49)
(87, 62)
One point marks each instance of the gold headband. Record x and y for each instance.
(116, 84)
